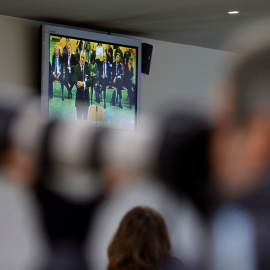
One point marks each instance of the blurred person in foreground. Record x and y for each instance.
(222, 163)
(23, 244)
(142, 242)
(228, 160)
(21, 231)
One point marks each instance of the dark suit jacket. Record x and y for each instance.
(65, 50)
(121, 55)
(82, 94)
(101, 69)
(127, 76)
(60, 66)
(73, 62)
(127, 55)
(110, 55)
(120, 71)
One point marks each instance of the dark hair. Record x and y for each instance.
(141, 241)
(80, 44)
(93, 58)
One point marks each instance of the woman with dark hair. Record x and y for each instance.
(141, 243)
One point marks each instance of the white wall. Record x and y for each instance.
(181, 74)
(19, 53)
(178, 72)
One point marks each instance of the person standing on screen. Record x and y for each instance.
(50, 81)
(65, 51)
(117, 79)
(99, 50)
(120, 52)
(57, 69)
(104, 77)
(99, 55)
(79, 49)
(127, 55)
(82, 80)
(128, 78)
(94, 77)
(110, 64)
(88, 52)
(69, 61)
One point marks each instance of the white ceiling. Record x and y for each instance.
(202, 23)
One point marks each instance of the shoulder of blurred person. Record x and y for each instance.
(174, 263)
(171, 264)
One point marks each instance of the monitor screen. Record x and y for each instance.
(91, 77)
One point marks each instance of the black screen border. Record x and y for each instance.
(106, 38)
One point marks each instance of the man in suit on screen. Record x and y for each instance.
(69, 61)
(57, 69)
(82, 81)
(104, 77)
(117, 74)
(65, 51)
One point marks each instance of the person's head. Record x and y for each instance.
(56, 50)
(117, 48)
(99, 44)
(82, 58)
(69, 48)
(240, 151)
(141, 241)
(88, 46)
(117, 58)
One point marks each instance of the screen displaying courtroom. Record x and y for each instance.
(92, 81)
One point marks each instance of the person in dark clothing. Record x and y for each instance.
(104, 78)
(110, 64)
(87, 49)
(57, 69)
(65, 51)
(78, 50)
(119, 52)
(127, 55)
(94, 73)
(128, 78)
(82, 80)
(50, 81)
(117, 74)
(69, 62)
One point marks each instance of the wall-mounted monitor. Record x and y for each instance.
(91, 77)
